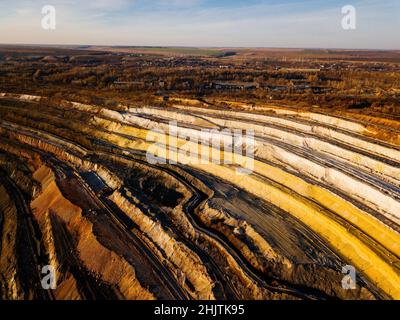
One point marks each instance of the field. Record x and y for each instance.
(171, 51)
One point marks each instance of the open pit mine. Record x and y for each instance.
(320, 197)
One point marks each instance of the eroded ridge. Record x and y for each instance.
(78, 192)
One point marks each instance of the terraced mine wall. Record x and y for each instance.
(78, 192)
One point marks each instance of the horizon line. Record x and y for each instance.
(193, 47)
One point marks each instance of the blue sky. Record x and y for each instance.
(224, 23)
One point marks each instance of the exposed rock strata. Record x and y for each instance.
(323, 193)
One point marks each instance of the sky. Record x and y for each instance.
(205, 23)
